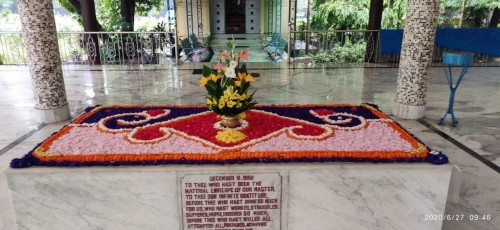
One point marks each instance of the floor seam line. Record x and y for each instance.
(19, 140)
(460, 145)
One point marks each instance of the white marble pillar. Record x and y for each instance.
(416, 57)
(40, 39)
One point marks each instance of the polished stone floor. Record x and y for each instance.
(474, 145)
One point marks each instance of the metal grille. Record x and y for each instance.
(86, 48)
(199, 14)
(270, 13)
(292, 14)
(277, 21)
(189, 16)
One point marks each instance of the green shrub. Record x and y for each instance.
(1, 59)
(348, 53)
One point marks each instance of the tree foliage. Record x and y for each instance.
(340, 14)
(394, 14)
(109, 11)
(108, 14)
(68, 5)
(4, 11)
(119, 14)
(353, 14)
(143, 7)
(475, 14)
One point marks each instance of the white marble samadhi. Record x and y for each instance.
(314, 196)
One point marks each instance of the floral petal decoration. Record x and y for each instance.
(112, 135)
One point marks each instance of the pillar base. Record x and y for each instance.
(408, 111)
(52, 115)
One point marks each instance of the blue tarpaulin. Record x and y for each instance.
(483, 41)
(391, 41)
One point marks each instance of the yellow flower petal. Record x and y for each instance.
(214, 77)
(241, 76)
(203, 81)
(237, 83)
(230, 136)
(249, 78)
(242, 115)
(42, 153)
(222, 102)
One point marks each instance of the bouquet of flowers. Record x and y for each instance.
(227, 83)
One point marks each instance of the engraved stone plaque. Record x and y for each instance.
(246, 201)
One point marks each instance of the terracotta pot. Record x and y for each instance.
(231, 121)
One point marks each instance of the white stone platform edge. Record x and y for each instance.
(455, 185)
(226, 167)
(7, 216)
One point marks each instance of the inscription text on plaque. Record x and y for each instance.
(249, 201)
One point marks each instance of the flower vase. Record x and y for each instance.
(231, 121)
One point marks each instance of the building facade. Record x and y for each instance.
(205, 17)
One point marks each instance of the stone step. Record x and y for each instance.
(255, 55)
(223, 42)
(246, 36)
(251, 42)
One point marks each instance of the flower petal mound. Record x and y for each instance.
(166, 134)
(230, 136)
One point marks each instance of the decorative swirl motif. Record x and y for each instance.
(147, 48)
(206, 131)
(157, 41)
(110, 49)
(130, 47)
(287, 134)
(127, 121)
(345, 121)
(91, 49)
(371, 46)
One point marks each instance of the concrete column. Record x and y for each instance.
(181, 19)
(285, 15)
(416, 56)
(40, 39)
(206, 18)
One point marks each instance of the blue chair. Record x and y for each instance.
(194, 40)
(454, 59)
(186, 45)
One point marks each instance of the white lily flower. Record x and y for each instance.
(230, 71)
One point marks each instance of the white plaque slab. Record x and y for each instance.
(247, 201)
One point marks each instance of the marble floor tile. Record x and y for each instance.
(480, 184)
(476, 108)
(464, 218)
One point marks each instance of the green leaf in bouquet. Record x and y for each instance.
(229, 82)
(244, 87)
(212, 89)
(243, 68)
(245, 107)
(251, 95)
(207, 71)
